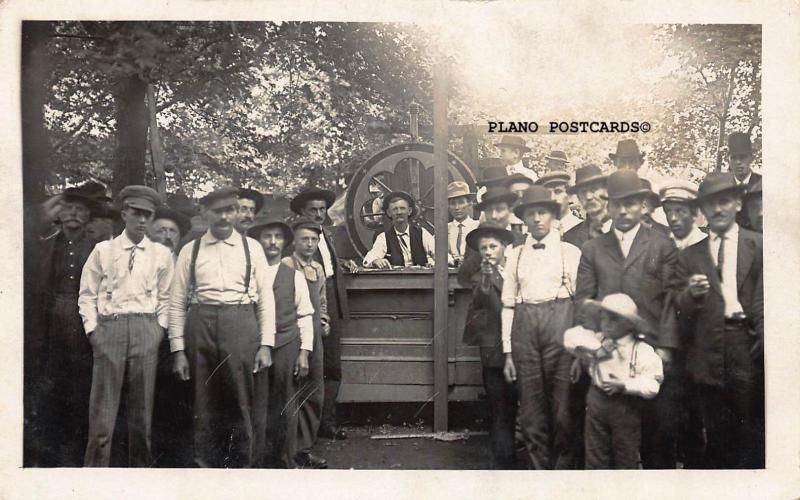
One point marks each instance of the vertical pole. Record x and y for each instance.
(440, 285)
(156, 152)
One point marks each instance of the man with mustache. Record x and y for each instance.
(638, 261)
(168, 227)
(123, 302)
(719, 293)
(590, 188)
(250, 203)
(224, 343)
(403, 244)
(66, 355)
(556, 179)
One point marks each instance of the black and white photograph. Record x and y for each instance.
(498, 243)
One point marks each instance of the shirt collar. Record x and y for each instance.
(127, 244)
(209, 239)
(406, 232)
(731, 234)
(631, 233)
(551, 240)
(693, 237)
(746, 179)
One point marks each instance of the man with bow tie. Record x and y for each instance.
(537, 308)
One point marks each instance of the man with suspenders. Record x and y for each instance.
(223, 344)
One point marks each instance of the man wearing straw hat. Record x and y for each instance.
(459, 204)
(677, 198)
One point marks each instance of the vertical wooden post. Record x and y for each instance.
(440, 305)
(156, 152)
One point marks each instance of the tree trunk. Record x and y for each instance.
(726, 104)
(156, 151)
(35, 146)
(132, 121)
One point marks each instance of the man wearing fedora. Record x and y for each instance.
(314, 203)
(511, 149)
(223, 343)
(556, 179)
(590, 188)
(276, 444)
(459, 204)
(638, 261)
(403, 244)
(168, 227)
(250, 203)
(719, 293)
(537, 307)
(124, 306)
(628, 157)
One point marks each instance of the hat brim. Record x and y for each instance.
(515, 178)
(550, 205)
(462, 195)
(551, 178)
(395, 195)
(474, 236)
(524, 149)
(586, 181)
(255, 230)
(184, 223)
(252, 194)
(593, 307)
(739, 188)
(298, 203)
(614, 156)
(630, 194)
(509, 198)
(555, 158)
(492, 181)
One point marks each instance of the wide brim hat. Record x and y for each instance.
(494, 175)
(252, 194)
(267, 220)
(457, 189)
(716, 183)
(74, 193)
(394, 195)
(537, 196)
(559, 156)
(553, 176)
(624, 184)
(511, 141)
(517, 177)
(626, 148)
(621, 305)
(496, 194)
(183, 222)
(587, 175)
(484, 230)
(299, 202)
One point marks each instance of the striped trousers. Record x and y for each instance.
(125, 351)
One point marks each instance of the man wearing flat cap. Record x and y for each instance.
(124, 305)
(638, 261)
(556, 179)
(250, 203)
(511, 149)
(276, 444)
(314, 203)
(403, 244)
(223, 344)
(590, 188)
(459, 204)
(719, 293)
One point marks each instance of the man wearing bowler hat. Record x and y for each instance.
(224, 343)
(314, 203)
(556, 179)
(537, 308)
(124, 305)
(511, 149)
(250, 203)
(590, 188)
(628, 157)
(638, 261)
(719, 293)
(459, 204)
(403, 244)
(294, 343)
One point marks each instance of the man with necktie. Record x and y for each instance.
(459, 203)
(403, 244)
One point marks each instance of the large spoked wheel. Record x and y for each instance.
(404, 167)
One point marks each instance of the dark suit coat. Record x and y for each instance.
(644, 276)
(482, 327)
(337, 303)
(704, 318)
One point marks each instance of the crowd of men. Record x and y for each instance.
(629, 336)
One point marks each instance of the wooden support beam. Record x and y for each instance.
(156, 152)
(440, 281)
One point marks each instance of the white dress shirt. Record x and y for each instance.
(730, 293)
(694, 236)
(379, 249)
(568, 222)
(744, 182)
(641, 370)
(452, 235)
(626, 239)
(533, 276)
(219, 280)
(109, 287)
(325, 252)
(302, 304)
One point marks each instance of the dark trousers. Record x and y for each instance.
(503, 410)
(172, 415)
(125, 349)
(734, 438)
(542, 367)
(613, 430)
(691, 437)
(661, 418)
(577, 411)
(332, 363)
(276, 444)
(221, 345)
(64, 394)
(311, 398)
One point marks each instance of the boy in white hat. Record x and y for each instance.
(624, 370)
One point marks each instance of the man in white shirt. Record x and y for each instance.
(677, 197)
(403, 244)
(459, 203)
(123, 302)
(537, 301)
(511, 149)
(556, 179)
(224, 343)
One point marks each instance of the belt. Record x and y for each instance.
(547, 301)
(219, 306)
(109, 317)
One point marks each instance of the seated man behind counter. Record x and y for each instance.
(403, 244)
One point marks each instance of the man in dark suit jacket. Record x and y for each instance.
(590, 188)
(639, 261)
(719, 292)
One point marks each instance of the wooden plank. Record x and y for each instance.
(383, 327)
(383, 393)
(388, 372)
(440, 300)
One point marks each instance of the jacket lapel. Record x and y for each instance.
(638, 247)
(744, 258)
(497, 281)
(707, 264)
(612, 247)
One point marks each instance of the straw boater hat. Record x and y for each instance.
(267, 220)
(537, 195)
(457, 189)
(394, 195)
(716, 183)
(624, 184)
(586, 175)
(487, 229)
(252, 194)
(627, 148)
(183, 222)
(739, 144)
(496, 194)
(620, 305)
(512, 141)
(678, 190)
(313, 193)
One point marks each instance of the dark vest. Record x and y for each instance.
(285, 311)
(395, 253)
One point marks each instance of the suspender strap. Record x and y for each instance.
(190, 289)
(247, 265)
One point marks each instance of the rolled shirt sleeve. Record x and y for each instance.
(89, 287)
(305, 312)
(178, 298)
